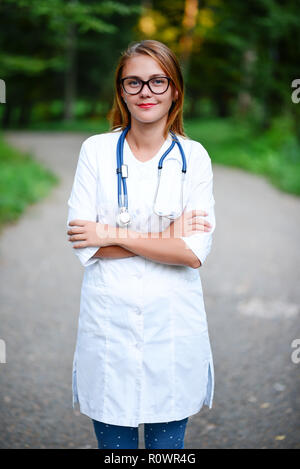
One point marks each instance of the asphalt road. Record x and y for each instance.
(252, 298)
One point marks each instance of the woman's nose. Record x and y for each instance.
(145, 91)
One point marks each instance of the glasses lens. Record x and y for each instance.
(132, 85)
(158, 84)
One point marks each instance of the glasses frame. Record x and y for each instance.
(145, 83)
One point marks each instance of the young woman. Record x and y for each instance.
(143, 352)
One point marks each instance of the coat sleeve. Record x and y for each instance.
(201, 198)
(82, 202)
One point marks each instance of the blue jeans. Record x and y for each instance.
(169, 435)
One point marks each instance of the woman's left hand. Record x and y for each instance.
(91, 233)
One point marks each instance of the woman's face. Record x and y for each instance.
(143, 67)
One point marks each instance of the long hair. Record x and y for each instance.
(119, 116)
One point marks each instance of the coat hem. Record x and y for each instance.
(146, 418)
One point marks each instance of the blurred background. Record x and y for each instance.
(240, 62)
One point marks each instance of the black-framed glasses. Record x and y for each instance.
(134, 85)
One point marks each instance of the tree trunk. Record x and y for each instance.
(244, 96)
(6, 117)
(222, 105)
(24, 116)
(186, 41)
(70, 73)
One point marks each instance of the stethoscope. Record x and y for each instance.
(123, 217)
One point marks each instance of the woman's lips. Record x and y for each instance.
(146, 105)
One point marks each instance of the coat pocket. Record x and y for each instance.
(93, 309)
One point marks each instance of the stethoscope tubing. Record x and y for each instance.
(120, 149)
(122, 180)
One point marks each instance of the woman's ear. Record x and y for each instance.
(175, 96)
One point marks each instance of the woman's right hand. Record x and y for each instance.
(189, 223)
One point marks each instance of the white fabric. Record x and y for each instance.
(201, 198)
(82, 201)
(168, 201)
(143, 353)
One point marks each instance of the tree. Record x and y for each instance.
(59, 25)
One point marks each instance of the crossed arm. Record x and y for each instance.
(164, 250)
(165, 247)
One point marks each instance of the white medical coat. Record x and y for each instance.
(143, 352)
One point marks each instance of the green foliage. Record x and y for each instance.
(274, 153)
(58, 58)
(23, 181)
(50, 47)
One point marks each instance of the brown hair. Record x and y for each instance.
(119, 116)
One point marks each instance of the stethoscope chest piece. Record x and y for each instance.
(123, 217)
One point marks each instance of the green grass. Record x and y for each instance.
(23, 181)
(275, 154)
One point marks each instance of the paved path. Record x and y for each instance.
(251, 286)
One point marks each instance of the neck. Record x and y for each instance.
(146, 136)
